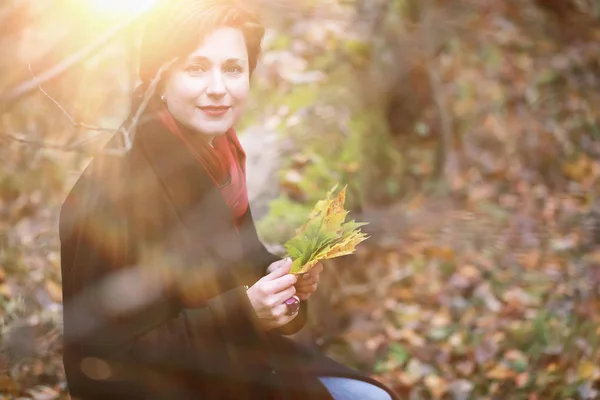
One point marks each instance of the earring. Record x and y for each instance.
(163, 98)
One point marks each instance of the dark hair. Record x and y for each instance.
(176, 27)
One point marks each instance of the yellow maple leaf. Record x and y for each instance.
(322, 206)
(324, 235)
(306, 267)
(347, 246)
(337, 204)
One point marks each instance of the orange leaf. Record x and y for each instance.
(444, 253)
(500, 372)
(54, 290)
(522, 379)
(5, 290)
(578, 169)
(436, 385)
(587, 370)
(470, 273)
(7, 385)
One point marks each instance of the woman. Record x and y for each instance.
(168, 292)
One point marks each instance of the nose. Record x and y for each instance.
(216, 86)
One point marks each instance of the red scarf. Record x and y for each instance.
(225, 161)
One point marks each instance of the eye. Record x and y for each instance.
(233, 69)
(196, 68)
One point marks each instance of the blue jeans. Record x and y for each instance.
(352, 389)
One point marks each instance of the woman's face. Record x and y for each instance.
(207, 91)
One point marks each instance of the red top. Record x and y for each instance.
(225, 163)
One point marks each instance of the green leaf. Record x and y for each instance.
(325, 234)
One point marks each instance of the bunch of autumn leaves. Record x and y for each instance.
(325, 234)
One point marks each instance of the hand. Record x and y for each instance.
(308, 282)
(269, 294)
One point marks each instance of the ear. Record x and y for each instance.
(162, 85)
(164, 81)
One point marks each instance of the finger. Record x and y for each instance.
(282, 296)
(293, 305)
(317, 269)
(284, 309)
(280, 284)
(306, 276)
(306, 282)
(283, 269)
(307, 289)
(303, 296)
(313, 273)
(280, 311)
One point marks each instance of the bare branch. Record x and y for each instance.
(75, 123)
(27, 87)
(75, 147)
(128, 134)
(56, 146)
(39, 143)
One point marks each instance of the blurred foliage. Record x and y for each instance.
(467, 133)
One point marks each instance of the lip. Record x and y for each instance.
(215, 111)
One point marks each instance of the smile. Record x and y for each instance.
(215, 111)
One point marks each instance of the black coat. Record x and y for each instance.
(132, 227)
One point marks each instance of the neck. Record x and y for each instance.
(209, 139)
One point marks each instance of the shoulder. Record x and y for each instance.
(167, 158)
(101, 183)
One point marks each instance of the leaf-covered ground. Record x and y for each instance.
(476, 303)
(447, 299)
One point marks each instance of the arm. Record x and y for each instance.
(126, 337)
(118, 313)
(107, 312)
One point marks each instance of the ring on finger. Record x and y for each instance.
(293, 304)
(291, 311)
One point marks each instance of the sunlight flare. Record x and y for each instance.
(121, 7)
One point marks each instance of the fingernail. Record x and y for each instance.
(306, 276)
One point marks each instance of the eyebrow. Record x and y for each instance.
(202, 58)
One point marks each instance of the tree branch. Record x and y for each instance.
(128, 134)
(41, 143)
(76, 147)
(75, 123)
(52, 73)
